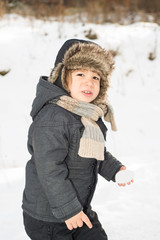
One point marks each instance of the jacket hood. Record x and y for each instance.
(45, 92)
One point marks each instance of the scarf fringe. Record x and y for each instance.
(109, 117)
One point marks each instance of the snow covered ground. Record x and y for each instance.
(28, 49)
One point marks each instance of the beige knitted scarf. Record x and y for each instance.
(92, 140)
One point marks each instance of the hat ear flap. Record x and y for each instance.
(64, 78)
(55, 73)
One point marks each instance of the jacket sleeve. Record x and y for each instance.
(109, 167)
(50, 146)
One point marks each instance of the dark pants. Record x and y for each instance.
(39, 230)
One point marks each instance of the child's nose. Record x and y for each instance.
(89, 81)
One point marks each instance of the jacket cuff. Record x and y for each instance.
(118, 169)
(68, 210)
(113, 172)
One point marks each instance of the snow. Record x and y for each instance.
(28, 48)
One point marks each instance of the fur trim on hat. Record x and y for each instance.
(88, 56)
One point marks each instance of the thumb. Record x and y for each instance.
(86, 220)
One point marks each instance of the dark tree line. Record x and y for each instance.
(149, 6)
(94, 9)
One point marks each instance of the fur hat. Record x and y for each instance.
(89, 56)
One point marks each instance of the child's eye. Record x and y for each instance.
(96, 78)
(80, 74)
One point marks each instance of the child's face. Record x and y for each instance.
(85, 85)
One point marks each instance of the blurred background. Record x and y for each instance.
(31, 33)
(95, 11)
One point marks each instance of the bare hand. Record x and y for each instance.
(77, 221)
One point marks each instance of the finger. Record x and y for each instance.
(122, 184)
(80, 223)
(69, 226)
(86, 220)
(123, 168)
(130, 182)
(74, 224)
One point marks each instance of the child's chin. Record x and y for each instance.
(86, 100)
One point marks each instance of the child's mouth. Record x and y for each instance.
(87, 93)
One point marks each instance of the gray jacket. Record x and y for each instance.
(59, 183)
